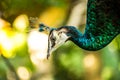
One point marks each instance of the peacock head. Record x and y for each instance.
(57, 37)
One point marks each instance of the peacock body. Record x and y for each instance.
(102, 26)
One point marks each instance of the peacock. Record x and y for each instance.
(102, 26)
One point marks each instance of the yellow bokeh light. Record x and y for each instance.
(4, 24)
(90, 61)
(23, 73)
(21, 23)
(53, 16)
(19, 39)
(11, 40)
(7, 46)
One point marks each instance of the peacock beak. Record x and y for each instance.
(51, 42)
(50, 48)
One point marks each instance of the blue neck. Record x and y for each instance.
(92, 42)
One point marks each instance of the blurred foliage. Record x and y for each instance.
(69, 62)
(10, 9)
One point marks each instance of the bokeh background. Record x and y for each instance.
(23, 49)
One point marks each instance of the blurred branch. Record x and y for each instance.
(10, 66)
(77, 14)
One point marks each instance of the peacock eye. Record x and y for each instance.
(60, 33)
(53, 38)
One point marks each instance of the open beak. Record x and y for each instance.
(49, 48)
(51, 43)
